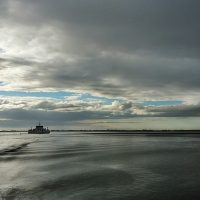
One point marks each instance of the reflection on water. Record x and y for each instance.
(83, 166)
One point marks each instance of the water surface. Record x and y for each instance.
(83, 166)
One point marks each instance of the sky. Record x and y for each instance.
(100, 64)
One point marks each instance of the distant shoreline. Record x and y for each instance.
(115, 131)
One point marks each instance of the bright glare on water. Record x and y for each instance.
(73, 166)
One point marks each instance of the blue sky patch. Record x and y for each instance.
(84, 96)
(57, 95)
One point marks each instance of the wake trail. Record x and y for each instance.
(14, 148)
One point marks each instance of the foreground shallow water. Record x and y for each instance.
(75, 166)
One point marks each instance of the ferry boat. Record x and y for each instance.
(39, 129)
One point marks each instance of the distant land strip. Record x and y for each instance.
(116, 131)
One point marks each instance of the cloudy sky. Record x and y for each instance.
(100, 63)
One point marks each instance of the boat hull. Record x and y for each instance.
(38, 132)
(39, 129)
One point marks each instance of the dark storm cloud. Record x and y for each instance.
(176, 111)
(22, 114)
(120, 111)
(4, 62)
(156, 25)
(116, 75)
(3, 7)
(135, 49)
(157, 30)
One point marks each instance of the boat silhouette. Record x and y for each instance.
(39, 129)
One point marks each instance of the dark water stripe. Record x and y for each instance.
(95, 179)
(14, 149)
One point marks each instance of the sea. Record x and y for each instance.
(86, 166)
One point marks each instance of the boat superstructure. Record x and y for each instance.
(39, 129)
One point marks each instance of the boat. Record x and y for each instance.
(39, 129)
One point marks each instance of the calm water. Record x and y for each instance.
(89, 167)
